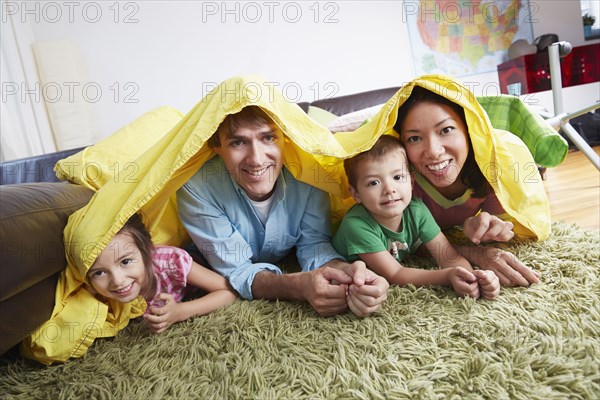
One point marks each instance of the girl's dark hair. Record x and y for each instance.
(135, 228)
(470, 175)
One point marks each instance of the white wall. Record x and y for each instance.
(144, 54)
(176, 50)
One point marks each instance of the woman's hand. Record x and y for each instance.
(508, 268)
(486, 228)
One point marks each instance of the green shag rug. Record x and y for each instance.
(541, 342)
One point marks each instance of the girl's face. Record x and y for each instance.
(384, 188)
(435, 138)
(119, 272)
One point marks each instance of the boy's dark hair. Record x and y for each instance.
(384, 145)
(470, 175)
(250, 115)
(136, 229)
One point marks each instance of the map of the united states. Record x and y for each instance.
(466, 31)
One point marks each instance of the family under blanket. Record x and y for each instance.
(429, 161)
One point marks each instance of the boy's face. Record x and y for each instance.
(384, 188)
(253, 157)
(119, 272)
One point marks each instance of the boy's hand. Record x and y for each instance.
(367, 297)
(489, 284)
(161, 318)
(464, 282)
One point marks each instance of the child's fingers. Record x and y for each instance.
(165, 297)
(488, 283)
(154, 318)
(465, 275)
(157, 328)
(483, 276)
(464, 288)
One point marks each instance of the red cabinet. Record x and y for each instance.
(531, 73)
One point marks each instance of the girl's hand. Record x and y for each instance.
(161, 318)
(464, 282)
(486, 228)
(489, 284)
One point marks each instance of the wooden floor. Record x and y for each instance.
(573, 189)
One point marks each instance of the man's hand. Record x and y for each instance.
(367, 292)
(325, 289)
(486, 228)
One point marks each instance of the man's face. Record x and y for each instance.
(252, 155)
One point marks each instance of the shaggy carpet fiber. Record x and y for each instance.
(541, 342)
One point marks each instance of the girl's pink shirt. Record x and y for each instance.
(171, 268)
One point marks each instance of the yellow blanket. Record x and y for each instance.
(312, 154)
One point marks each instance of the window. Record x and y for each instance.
(591, 7)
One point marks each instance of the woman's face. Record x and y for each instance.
(435, 138)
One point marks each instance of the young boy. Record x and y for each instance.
(386, 224)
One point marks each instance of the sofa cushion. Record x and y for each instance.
(33, 169)
(346, 104)
(354, 120)
(32, 219)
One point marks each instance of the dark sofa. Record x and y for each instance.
(34, 210)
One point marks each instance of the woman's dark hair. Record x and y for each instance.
(135, 228)
(470, 175)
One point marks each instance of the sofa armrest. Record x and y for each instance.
(32, 219)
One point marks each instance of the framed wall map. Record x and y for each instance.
(461, 38)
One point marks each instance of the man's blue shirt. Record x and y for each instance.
(217, 214)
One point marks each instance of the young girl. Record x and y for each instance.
(439, 145)
(387, 223)
(130, 266)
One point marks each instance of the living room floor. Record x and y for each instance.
(573, 189)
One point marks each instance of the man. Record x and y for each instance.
(245, 212)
